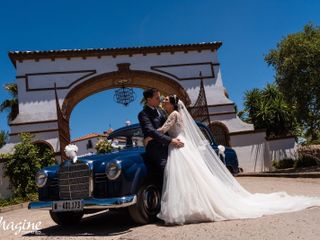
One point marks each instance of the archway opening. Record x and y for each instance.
(220, 133)
(123, 77)
(99, 85)
(46, 152)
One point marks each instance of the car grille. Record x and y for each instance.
(100, 185)
(73, 180)
(104, 188)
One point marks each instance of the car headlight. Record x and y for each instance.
(113, 170)
(41, 178)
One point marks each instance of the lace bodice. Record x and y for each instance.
(173, 124)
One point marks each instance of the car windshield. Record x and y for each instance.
(132, 136)
(207, 135)
(127, 138)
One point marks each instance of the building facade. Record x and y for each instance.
(51, 83)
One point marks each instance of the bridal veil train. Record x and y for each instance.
(198, 187)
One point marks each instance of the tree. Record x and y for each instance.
(296, 61)
(251, 102)
(267, 109)
(22, 165)
(3, 138)
(12, 103)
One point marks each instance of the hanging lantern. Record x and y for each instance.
(124, 95)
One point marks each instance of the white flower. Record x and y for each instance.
(71, 152)
(221, 149)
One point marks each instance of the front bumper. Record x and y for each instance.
(92, 203)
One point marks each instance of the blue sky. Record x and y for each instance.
(248, 30)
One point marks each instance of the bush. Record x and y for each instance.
(17, 200)
(22, 166)
(306, 161)
(284, 163)
(308, 156)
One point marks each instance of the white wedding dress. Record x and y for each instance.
(197, 187)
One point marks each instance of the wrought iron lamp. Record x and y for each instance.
(124, 95)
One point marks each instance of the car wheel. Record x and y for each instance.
(230, 170)
(148, 204)
(66, 218)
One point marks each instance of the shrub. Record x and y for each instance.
(306, 161)
(308, 156)
(284, 163)
(22, 166)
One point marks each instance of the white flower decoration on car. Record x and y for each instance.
(71, 152)
(221, 149)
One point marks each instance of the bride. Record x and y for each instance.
(197, 187)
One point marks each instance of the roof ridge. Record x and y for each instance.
(112, 48)
(66, 53)
(87, 135)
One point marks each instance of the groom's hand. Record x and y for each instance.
(177, 143)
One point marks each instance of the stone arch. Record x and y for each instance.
(126, 77)
(44, 143)
(220, 133)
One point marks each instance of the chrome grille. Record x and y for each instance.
(73, 179)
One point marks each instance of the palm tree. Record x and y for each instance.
(3, 138)
(267, 109)
(252, 101)
(11, 104)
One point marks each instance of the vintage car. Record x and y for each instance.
(121, 180)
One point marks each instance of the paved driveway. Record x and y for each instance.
(109, 225)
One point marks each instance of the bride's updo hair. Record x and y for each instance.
(173, 99)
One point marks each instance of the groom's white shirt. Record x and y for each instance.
(153, 108)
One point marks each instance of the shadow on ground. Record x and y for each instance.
(107, 223)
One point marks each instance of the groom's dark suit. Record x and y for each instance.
(157, 148)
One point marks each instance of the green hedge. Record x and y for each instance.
(282, 164)
(303, 161)
(22, 165)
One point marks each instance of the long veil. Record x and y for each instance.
(237, 201)
(209, 156)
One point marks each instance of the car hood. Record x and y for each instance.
(98, 161)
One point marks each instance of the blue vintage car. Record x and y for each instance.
(122, 179)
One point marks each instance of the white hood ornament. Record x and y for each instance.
(71, 152)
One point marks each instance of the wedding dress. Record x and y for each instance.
(197, 187)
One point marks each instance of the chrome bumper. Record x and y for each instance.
(92, 203)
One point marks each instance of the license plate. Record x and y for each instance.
(67, 205)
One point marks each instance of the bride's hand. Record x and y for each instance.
(159, 130)
(177, 143)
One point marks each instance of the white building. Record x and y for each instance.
(86, 144)
(172, 69)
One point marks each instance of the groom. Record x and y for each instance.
(151, 118)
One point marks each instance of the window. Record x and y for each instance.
(89, 144)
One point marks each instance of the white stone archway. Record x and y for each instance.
(81, 73)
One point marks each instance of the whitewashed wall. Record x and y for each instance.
(256, 154)
(42, 101)
(252, 151)
(282, 148)
(82, 146)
